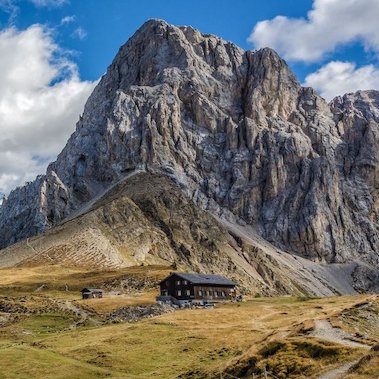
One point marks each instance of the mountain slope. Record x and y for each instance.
(147, 220)
(238, 133)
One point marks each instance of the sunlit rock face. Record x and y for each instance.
(236, 130)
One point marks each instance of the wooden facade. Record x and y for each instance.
(197, 287)
(92, 293)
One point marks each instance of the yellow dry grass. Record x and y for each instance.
(68, 281)
(366, 368)
(111, 302)
(193, 343)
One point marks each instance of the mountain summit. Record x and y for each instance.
(236, 133)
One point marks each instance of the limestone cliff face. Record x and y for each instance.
(236, 130)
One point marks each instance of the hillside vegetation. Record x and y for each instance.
(47, 331)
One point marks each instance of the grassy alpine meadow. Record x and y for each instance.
(48, 331)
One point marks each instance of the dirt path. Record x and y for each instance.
(338, 372)
(324, 330)
(68, 305)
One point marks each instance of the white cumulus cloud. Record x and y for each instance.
(337, 78)
(329, 24)
(41, 97)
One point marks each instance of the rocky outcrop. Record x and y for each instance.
(147, 220)
(239, 134)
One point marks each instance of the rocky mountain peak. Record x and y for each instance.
(160, 53)
(235, 130)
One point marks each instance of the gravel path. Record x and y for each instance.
(67, 305)
(324, 330)
(338, 372)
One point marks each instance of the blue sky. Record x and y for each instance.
(54, 51)
(108, 24)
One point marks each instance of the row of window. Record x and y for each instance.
(187, 292)
(179, 282)
(200, 293)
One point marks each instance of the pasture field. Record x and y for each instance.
(47, 331)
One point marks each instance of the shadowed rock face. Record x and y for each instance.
(239, 134)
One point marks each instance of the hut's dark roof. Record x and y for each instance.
(91, 290)
(207, 279)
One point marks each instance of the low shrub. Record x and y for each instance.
(271, 348)
(316, 350)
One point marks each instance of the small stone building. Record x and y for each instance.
(92, 293)
(198, 288)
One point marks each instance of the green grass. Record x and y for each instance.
(47, 323)
(26, 362)
(186, 343)
(142, 349)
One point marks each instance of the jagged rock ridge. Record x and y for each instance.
(236, 130)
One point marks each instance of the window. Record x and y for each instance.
(179, 292)
(188, 292)
(223, 294)
(178, 282)
(216, 293)
(185, 282)
(208, 293)
(200, 293)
